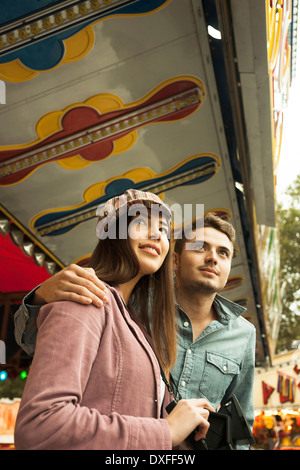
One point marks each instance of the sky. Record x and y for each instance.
(289, 163)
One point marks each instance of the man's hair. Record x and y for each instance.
(209, 220)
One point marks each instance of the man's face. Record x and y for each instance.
(205, 269)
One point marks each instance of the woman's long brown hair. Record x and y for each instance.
(115, 262)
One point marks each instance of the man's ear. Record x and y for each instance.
(175, 257)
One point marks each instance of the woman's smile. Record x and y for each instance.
(150, 248)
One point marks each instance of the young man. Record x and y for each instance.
(216, 345)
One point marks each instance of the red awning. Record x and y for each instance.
(18, 272)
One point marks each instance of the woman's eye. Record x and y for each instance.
(164, 230)
(140, 221)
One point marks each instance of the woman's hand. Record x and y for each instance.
(187, 416)
(72, 283)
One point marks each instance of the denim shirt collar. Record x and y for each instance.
(226, 309)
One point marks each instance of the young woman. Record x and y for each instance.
(96, 377)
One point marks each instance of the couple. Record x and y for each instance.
(98, 380)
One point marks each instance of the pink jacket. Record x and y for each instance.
(94, 382)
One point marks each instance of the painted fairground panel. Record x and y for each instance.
(102, 96)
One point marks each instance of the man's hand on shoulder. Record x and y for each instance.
(72, 283)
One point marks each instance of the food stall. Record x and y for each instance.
(8, 414)
(277, 404)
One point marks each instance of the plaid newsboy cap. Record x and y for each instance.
(111, 209)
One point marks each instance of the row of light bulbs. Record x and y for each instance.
(101, 132)
(51, 19)
(28, 247)
(54, 226)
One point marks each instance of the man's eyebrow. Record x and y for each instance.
(220, 247)
(225, 248)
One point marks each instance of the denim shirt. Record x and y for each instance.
(25, 324)
(220, 362)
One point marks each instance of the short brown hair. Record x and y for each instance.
(210, 220)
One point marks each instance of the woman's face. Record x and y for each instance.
(149, 238)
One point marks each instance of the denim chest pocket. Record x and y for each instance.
(219, 371)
